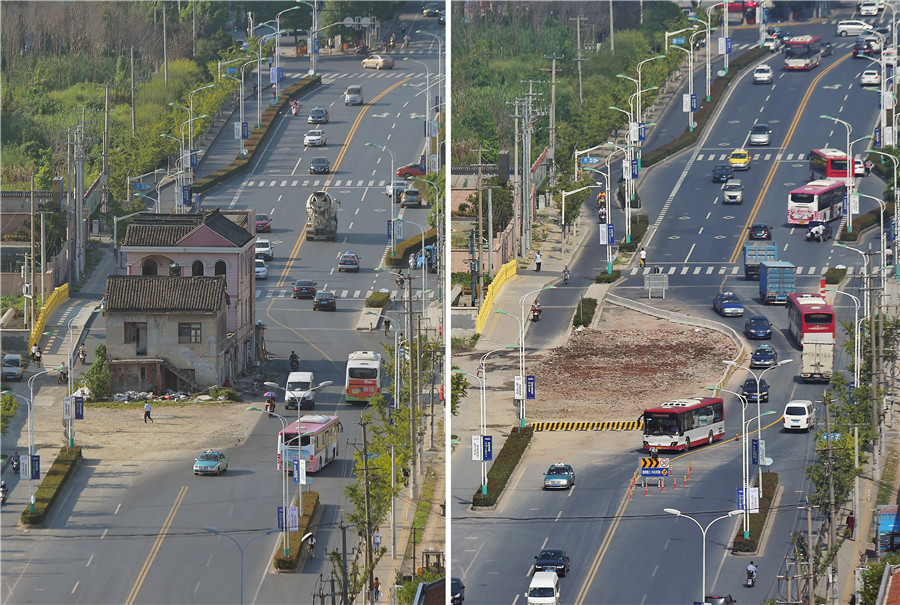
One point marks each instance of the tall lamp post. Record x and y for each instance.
(427, 111)
(628, 195)
(850, 181)
(564, 194)
(865, 258)
(31, 435)
(522, 347)
(246, 544)
(191, 126)
(424, 263)
(744, 471)
(703, 530)
(393, 193)
(856, 343)
(881, 208)
(757, 377)
(277, 53)
(285, 516)
(896, 164)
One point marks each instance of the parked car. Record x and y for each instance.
(748, 390)
(760, 134)
(757, 327)
(764, 357)
(319, 166)
(13, 366)
(722, 173)
(314, 138)
(559, 476)
(261, 269)
(410, 170)
(349, 261)
(410, 197)
(378, 62)
(210, 462)
(264, 250)
(304, 288)
(324, 301)
(728, 304)
(318, 115)
(762, 75)
(263, 223)
(760, 232)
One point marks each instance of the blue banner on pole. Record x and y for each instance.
(877, 136)
(280, 73)
(186, 195)
(693, 103)
(611, 234)
(35, 467)
(754, 449)
(727, 45)
(245, 130)
(845, 208)
(634, 168)
(79, 408)
(487, 448)
(530, 388)
(642, 131)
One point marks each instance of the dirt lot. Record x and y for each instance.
(631, 362)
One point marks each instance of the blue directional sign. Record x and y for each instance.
(35, 467)
(142, 186)
(487, 448)
(654, 472)
(79, 408)
(530, 388)
(231, 70)
(589, 160)
(678, 40)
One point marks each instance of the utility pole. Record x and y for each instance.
(578, 60)
(478, 239)
(612, 38)
(414, 481)
(345, 581)
(133, 116)
(551, 147)
(31, 280)
(832, 523)
(517, 192)
(104, 178)
(165, 48)
(872, 330)
(369, 596)
(194, 26)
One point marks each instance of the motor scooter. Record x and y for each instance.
(535, 314)
(751, 578)
(295, 365)
(295, 109)
(362, 50)
(16, 465)
(566, 277)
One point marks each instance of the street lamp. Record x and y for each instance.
(391, 183)
(607, 214)
(881, 210)
(757, 377)
(690, 77)
(71, 356)
(707, 27)
(579, 152)
(116, 220)
(703, 530)
(562, 244)
(865, 256)
(856, 343)
(424, 263)
(522, 347)
(427, 111)
(31, 435)
(628, 195)
(246, 544)
(285, 517)
(896, 164)
(849, 177)
(191, 126)
(277, 52)
(744, 470)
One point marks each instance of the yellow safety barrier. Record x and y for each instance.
(501, 278)
(614, 425)
(59, 296)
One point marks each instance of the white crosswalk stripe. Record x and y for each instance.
(316, 183)
(720, 270)
(263, 292)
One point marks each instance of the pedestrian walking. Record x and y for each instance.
(851, 523)
(537, 261)
(643, 257)
(376, 588)
(147, 413)
(311, 543)
(376, 540)
(868, 164)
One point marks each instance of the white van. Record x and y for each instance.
(799, 414)
(353, 95)
(297, 391)
(544, 589)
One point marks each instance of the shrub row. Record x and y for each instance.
(46, 494)
(835, 276)
(295, 546)
(504, 465)
(584, 312)
(639, 225)
(378, 300)
(257, 136)
(403, 249)
(607, 278)
(757, 521)
(862, 222)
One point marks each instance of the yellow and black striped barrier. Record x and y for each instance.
(618, 425)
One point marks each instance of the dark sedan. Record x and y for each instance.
(722, 173)
(304, 288)
(552, 559)
(763, 357)
(757, 327)
(324, 301)
(748, 390)
(319, 166)
(760, 232)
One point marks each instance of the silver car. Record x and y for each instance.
(760, 134)
(852, 28)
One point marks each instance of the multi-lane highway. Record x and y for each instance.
(631, 551)
(133, 534)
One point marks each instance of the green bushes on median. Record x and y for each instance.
(46, 494)
(504, 465)
(295, 546)
(757, 520)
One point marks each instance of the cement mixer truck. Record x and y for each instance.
(321, 216)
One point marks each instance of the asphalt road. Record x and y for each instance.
(631, 551)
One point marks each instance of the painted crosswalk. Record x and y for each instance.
(719, 270)
(317, 183)
(757, 156)
(348, 294)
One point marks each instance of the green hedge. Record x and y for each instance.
(378, 300)
(46, 494)
(607, 278)
(584, 312)
(257, 136)
(504, 465)
(310, 504)
(835, 276)
(640, 223)
(757, 520)
(402, 250)
(862, 222)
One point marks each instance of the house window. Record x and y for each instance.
(188, 333)
(148, 267)
(133, 330)
(219, 269)
(197, 268)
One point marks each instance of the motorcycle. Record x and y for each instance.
(295, 365)
(270, 408)
(3, 496)
(751, 578)
(392, 40)
(16, 465)
(535, 315)
(406, 42)
(566, 277)
(295, 109)
(63, 377)
(362, 50)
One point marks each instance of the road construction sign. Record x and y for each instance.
(654, 467)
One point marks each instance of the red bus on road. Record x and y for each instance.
(683, 423)
(828, 162)
(808, 314)
(314, 438)
(802, 52)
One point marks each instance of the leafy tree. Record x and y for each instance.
(872, 577)
(8, 408)
(459, 390)
(406, 594)
(98, 378)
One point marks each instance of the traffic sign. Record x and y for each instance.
(654, 463)
(487, 449)
(678, 40)
(654, 472)
(142, 186)
(589, 160)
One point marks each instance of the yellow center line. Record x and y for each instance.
(295, 251)
(156, 546)
(739, 247)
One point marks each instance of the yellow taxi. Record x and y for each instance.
(739, 159)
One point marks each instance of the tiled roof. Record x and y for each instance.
(153, 293)
(166, 230)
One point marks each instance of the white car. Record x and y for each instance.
(859, 168)
(852, 28)
(773, 43)
(395, 188)
(264, 250)
(762, 75)
(314, 138)
(873, 41)
(868, 9)
(262, 270)
(799, 414)
(870, 77)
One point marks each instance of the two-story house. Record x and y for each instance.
(212, 243)
(166, 333)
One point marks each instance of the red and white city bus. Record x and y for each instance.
(828, 163)
(802, 52)
(816, 201)
(683, 423)
(808, 314)
(314, 437)
(365, 371)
